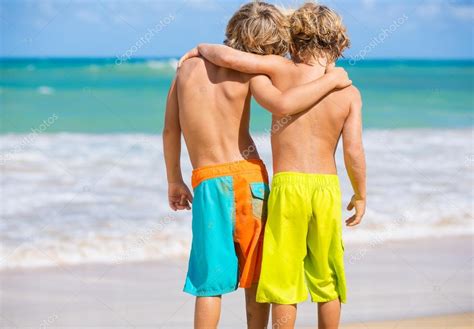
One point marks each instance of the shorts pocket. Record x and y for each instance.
(260, 192)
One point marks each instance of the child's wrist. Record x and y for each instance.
(175, 180)
(360, 197)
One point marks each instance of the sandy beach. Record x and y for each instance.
(458, 321)
(394, 281)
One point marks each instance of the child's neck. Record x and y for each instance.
(312, 61)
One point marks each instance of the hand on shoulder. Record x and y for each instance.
(339, 76)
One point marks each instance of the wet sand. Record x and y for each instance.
(393, 281)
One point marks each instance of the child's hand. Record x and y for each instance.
(190, 54)
(339, 76)
(359, 205)
(179, 196)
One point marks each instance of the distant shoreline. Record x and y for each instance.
(159, 58)
(256, 132)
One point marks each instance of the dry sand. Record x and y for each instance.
(389, 281)
(458, 321)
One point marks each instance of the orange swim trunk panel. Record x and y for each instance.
(245, 184)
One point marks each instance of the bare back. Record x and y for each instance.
(214, 112)
(306, 142)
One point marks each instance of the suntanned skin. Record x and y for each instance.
(210, 106)
(308, 141)
(214, 113)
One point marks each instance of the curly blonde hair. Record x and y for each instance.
(259, 28)
(317, 31)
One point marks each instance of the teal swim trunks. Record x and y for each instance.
(229, 211)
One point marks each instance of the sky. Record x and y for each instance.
(100, 28)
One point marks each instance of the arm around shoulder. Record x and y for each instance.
(293, 100)
(237, 60)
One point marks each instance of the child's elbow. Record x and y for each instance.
(169, 131)
(284, 108)
(279, 111)
(355, 152)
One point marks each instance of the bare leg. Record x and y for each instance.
(257, 313)
(329, 314)
(283, 316)
(207, 312)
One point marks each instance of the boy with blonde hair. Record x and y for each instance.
(303, 248)
(210, 105)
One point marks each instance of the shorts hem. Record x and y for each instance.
(209, 293)
(280, 301)
(326, 300)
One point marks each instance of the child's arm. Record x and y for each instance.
(295, 99)
(292, 101)
(354, 158)
(179, 195)
(237, 60)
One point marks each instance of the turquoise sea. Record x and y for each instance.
(99, 96)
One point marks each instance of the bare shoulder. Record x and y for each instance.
(194, 70)
(350, 93)
(191, 65)
(354, 94)
(347, 97)
(344, 101)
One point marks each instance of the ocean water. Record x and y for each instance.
(99, 96)
(83, 180)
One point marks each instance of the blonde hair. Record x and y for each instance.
(317, 31)
(259, 28)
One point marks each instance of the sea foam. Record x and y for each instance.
(76, 198)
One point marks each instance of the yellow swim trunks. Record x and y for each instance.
(302, 246)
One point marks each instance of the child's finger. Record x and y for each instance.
(350, 220)
(181, 60)
(356, 221)
(182, 205)
(172, 205)
(350, 206)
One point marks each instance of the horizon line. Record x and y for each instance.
(177, 57)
